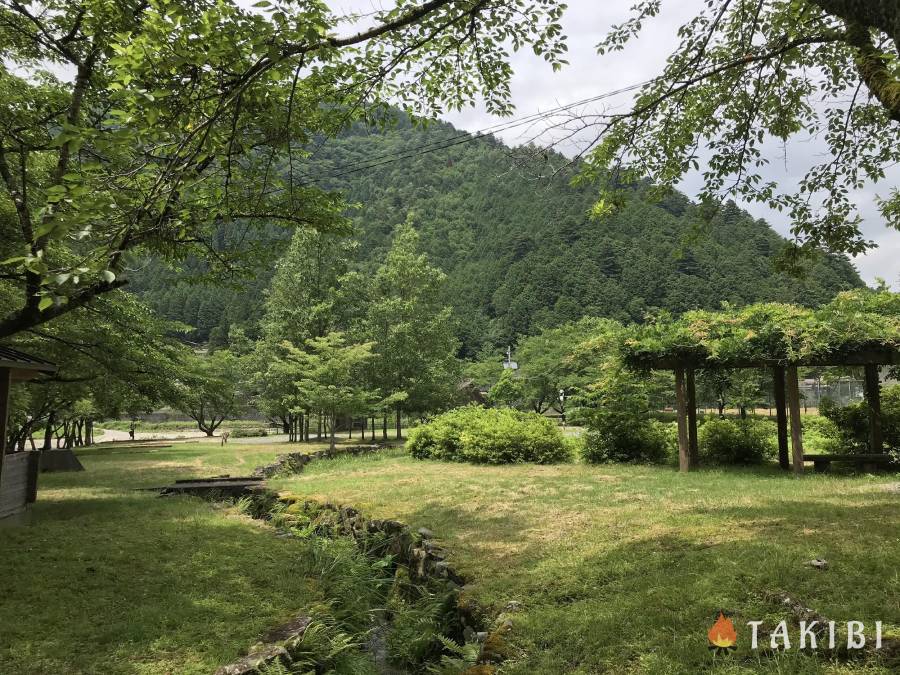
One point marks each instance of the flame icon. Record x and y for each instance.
(722, 633)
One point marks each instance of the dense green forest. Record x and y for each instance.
(521, 251)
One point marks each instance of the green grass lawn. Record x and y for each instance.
(108, 579)
(624, 568)
(617, 568)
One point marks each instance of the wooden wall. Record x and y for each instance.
(17, 482)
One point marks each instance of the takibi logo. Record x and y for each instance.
(722, 634)
(811, 635)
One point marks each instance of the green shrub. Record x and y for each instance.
(489, 436)
(244, 432)
(611, 439)
(820, 435)
(852, 422)
(736, 441)
(616, 413)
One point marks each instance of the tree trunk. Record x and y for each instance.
(333, 425)
(48, 431)
(306, 427)
(399, 430)
(319, 427)
(384, 427)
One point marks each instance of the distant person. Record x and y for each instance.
(131, 430)
(225, 435)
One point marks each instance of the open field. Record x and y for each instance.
(623, 568)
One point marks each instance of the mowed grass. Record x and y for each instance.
(624, 568)
(108, 579)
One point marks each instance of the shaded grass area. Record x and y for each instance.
(108, 579)
(624, 568)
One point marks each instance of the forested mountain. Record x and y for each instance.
(521, 252)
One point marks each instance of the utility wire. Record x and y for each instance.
(466, 137)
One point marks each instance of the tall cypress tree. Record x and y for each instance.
(415, 366)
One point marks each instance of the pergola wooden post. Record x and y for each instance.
(778, 382)
(873, 398)
(787, 395)
(5, 385)
(684, 452)
(793, 399)
(693, 444)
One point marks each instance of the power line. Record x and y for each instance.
(467, 137)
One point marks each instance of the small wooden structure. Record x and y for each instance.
(18, 470)
(218, 486)
(787, 396)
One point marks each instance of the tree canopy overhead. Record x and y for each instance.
(751, 72)
(139, 127)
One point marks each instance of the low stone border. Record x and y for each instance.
(293, 462)
(415, 551)
(275, 645)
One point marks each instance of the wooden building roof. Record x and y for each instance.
(24, 366)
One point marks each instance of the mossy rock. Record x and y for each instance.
(496, 647)
(482, 669)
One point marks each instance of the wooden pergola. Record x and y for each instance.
(787, 394)
(18, 470)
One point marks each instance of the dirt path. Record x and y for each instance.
(109, 435)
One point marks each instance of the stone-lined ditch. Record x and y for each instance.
(419, 581)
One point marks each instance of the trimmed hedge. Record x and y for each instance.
(489, 436)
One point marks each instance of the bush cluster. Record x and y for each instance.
(249, 432)
(616, 413)
(614, 440)
(489, 436)
(821, 435)
(851, 422)
(746, 441)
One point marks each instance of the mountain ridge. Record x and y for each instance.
(523, 253)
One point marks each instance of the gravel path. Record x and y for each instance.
(109, 435)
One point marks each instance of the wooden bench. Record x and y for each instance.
(868, 462)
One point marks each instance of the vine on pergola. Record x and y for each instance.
(768, 333)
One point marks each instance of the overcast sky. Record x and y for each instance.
(536, 88)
